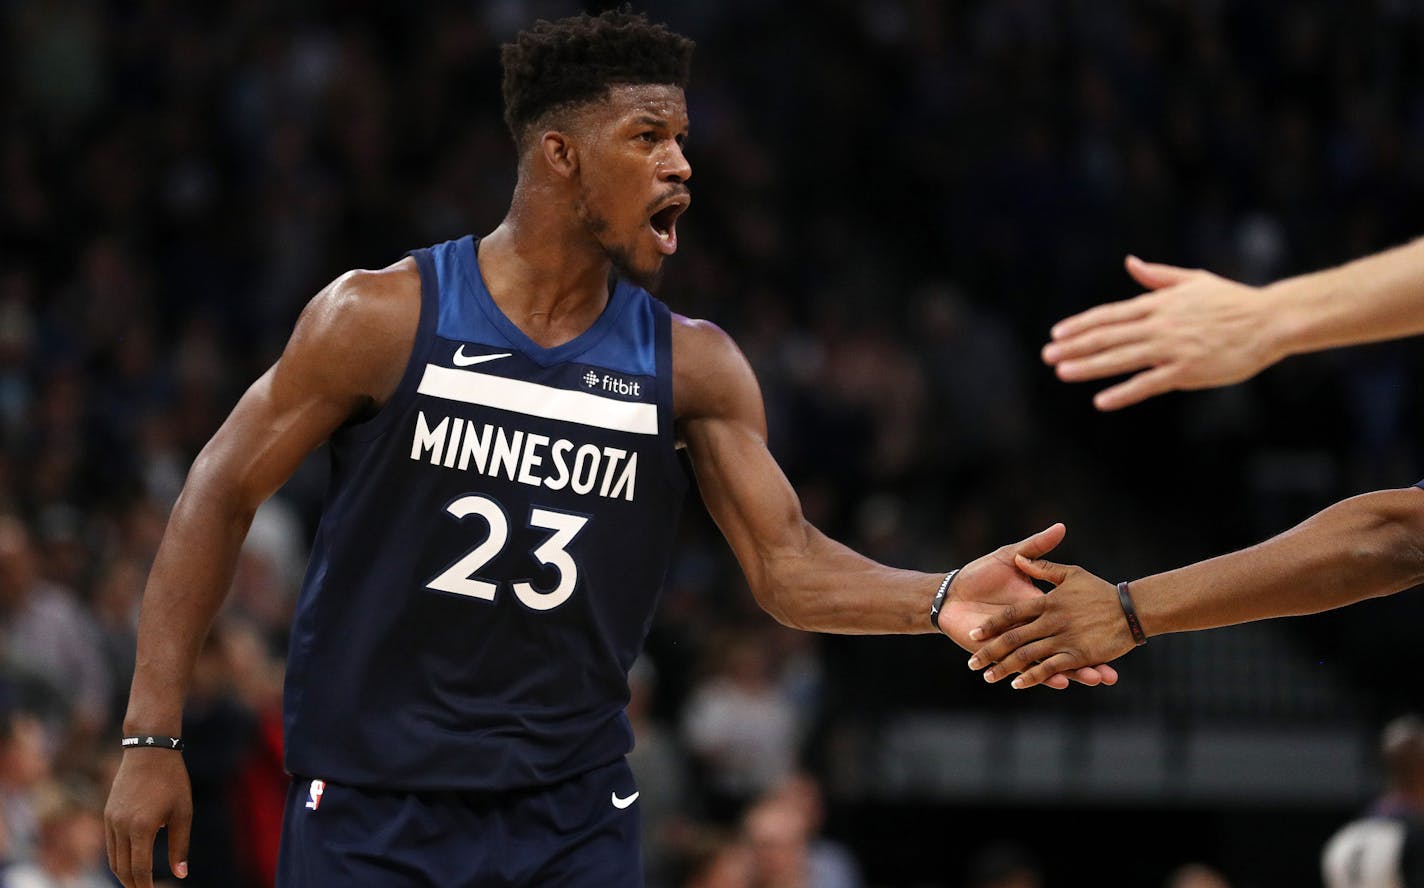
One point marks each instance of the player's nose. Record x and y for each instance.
(675, 166)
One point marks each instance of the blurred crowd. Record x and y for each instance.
(894, 201)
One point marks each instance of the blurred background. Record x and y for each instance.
(895, 199)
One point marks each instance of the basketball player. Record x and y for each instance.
(1385, 848)
(503, 416)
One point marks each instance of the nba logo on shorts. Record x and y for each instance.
(314, 794)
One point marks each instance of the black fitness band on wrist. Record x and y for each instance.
(938, 602)
(1124, 598)
(157, 741)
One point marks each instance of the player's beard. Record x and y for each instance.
(624, 268)
(620, 256)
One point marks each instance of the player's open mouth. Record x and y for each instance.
(664, 224)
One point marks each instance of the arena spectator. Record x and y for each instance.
(70, 850)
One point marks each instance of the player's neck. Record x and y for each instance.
(544, 277)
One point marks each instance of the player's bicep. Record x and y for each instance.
(746, 493)
(723, 424)
(265, 438)
(346, 352)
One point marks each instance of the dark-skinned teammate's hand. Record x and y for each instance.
(1078, 623)
(988, 585)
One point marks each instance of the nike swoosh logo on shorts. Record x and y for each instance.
(623, 803)
(463, 360)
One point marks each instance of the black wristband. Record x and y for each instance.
(157, 741)
(938, 602)
(1124, 598)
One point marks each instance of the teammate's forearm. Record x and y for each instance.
(190, 578)
(1360, 548)
(1371, 299)
(827, 587)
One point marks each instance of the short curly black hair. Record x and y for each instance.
(574, 60)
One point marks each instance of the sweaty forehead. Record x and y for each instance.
(660, 100)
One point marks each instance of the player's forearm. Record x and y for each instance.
(190, 578)
(1360, 548)
(1371, 299)
(823, 586)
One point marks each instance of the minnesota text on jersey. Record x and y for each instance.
(455, 443)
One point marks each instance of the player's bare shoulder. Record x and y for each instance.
(357, 333)
(711, 377)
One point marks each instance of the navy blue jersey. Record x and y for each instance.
(491, 550)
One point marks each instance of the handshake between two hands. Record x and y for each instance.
(995, 611)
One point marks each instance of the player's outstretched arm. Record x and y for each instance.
(1194, 329)
(797, 574)
(345, 355)
(1363, 547)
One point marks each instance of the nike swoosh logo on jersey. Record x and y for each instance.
(463, 360)
(623, 803)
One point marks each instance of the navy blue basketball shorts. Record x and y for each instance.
(580, 832)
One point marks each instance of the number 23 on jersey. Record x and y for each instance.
(459, 578)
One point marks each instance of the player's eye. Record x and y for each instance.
(648, 136)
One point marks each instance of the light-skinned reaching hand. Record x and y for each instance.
(1193, 329)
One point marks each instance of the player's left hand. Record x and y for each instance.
(988, 585)
(1079, 622)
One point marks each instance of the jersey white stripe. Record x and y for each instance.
(533, 399)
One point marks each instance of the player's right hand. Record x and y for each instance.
(1194, 330)
(150, 791)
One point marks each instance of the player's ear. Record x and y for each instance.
(559, 152)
